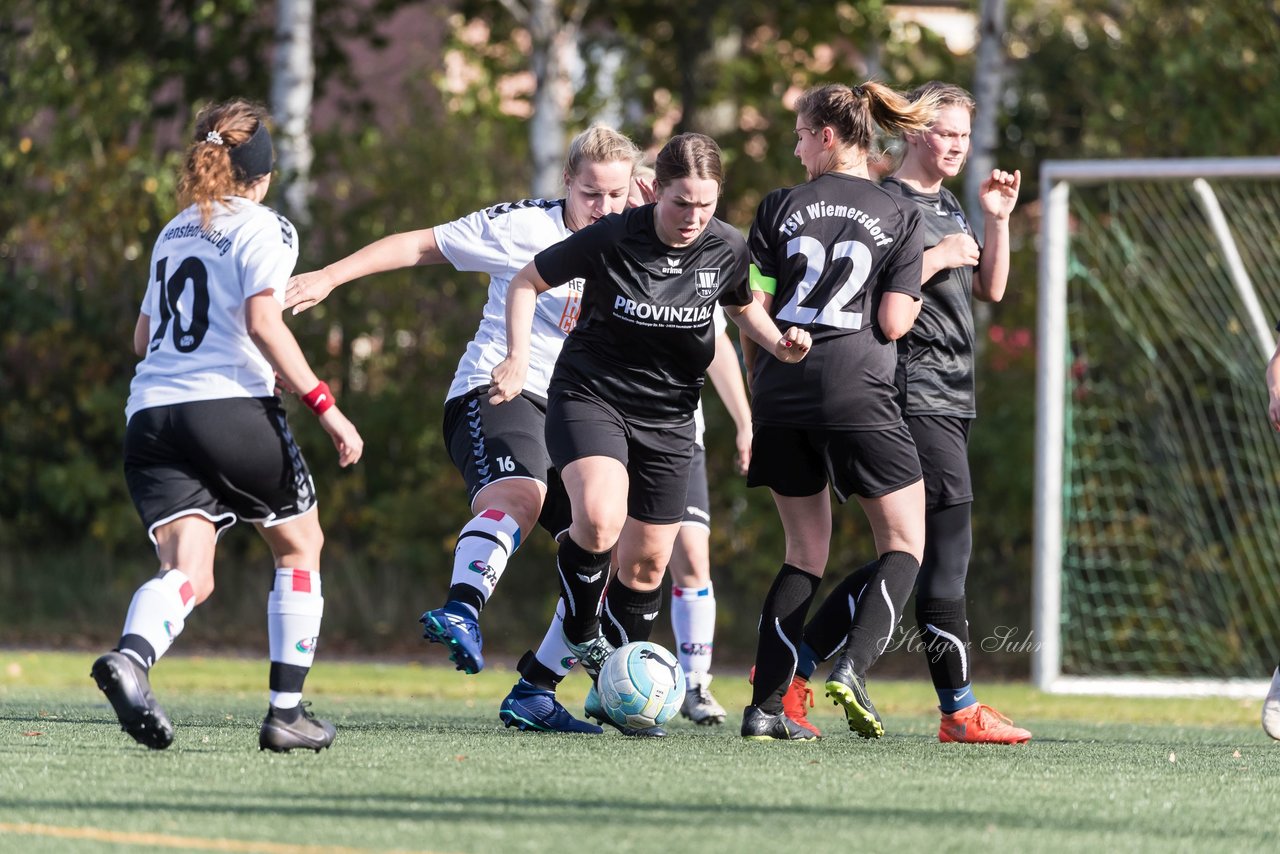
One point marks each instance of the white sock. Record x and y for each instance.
(294, 609)
(156, 616)
(693, 621)
(485, 544)
(554, 653)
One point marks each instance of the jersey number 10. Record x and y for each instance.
(835, 311)
(188, 338)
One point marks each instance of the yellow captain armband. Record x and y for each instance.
(762, 283)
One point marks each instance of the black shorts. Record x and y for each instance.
(488, 443)
(795, 461)
(942, 441)
(223, 459)
(579, 424)
(697, 502)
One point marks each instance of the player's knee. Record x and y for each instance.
(522, 500)
(594, 538)
(202, 587)
(597, 529)
(810, 557)
(645, 574)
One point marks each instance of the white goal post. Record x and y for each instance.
(1067, 359)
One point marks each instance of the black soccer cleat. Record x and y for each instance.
(759, 725)
(307, 731)
(125, 683)
(848, 690)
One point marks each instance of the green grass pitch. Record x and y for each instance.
(421, 763)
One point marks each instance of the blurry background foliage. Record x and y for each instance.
(421, 112)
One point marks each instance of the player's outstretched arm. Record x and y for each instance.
(395, 252)
(522, 295)
(726, 376)
(267, 328)
(753, 320)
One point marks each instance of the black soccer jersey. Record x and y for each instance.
(834, 247)
(937, 354)
(645, 335)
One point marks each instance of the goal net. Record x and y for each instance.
(1157, 550)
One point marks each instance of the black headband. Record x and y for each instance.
(252, 158)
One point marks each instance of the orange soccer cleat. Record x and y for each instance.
(980, 724)
(797, 702)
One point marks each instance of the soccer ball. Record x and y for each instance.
(641, 685)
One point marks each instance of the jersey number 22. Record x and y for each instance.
(835, 311)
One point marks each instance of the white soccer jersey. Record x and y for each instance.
(699, 421)
(200, 279)
(499, 241)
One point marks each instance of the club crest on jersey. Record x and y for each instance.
(706, 280)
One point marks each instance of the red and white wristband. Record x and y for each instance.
(319, 399)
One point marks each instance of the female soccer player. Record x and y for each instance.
(501, 451)
(693, 599)
(840, 257)
(207, 441)
(622, 397)
(936, 360)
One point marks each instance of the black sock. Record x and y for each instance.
(829, 629)
(629, 614)
(467, 595)
(289, 715)
(583, 575)
(781, 624)
(943, 625)
(139, 649)
(881, 609)
(536, 673)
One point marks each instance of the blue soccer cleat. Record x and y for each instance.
(532, 709)
(459, 631)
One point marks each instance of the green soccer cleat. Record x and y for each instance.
(849, 690)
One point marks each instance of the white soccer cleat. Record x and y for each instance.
(699, 706)
(1271, 708)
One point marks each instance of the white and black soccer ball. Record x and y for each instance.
(641, 685)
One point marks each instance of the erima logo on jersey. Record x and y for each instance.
(663, 313)
(673, 266)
